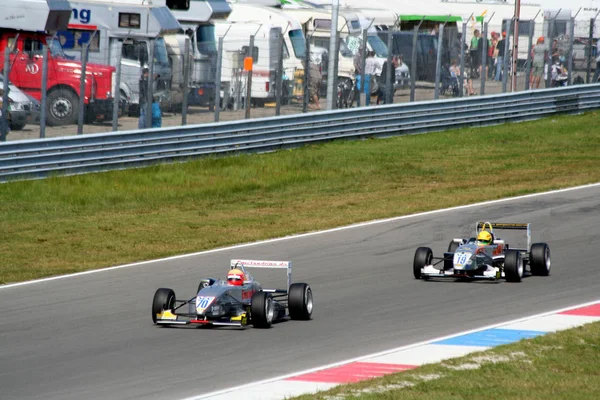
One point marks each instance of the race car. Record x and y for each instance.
(485, 256)
(237, 301)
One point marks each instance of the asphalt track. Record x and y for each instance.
(90, 336)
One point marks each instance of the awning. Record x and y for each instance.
(436, 18)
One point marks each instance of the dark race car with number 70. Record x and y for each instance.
(236, 301)
(485, 256)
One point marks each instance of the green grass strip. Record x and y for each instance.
(562, 365)
(67, 224)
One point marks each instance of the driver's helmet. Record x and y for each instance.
(236, 277)
(484, 237)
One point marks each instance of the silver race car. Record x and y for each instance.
(237, 301)
(485, 256)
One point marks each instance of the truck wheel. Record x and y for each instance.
(539, 259)
(423, 257)
(62, 108)
(300, 301)
(261, 310)
(513, 266)
(164, 299)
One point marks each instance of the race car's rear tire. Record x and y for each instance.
(423, 257)
(164, 299)
(300, 301)
(513, 266)
(539, 259)
(452, 246)
(262, 310)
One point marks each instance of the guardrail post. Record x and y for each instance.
(462, 60)
(217, 79)
(484, 63)
(150, 97)
(390, 72)
(550, 43)
(413, 66)
(249, 80)
(529, 58)
(570, 61)
(305, 95)
(187, 63)
(506, 55)
(82, 80)
(117, 93)
(589, 51)
(43, 101)
(279, 75)
(363, 63)
(4, 120)
(438, 62)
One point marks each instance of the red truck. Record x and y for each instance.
(24, 28)
(63, 87)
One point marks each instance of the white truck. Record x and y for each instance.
(110, 27)
(294, 47)
(197, 19)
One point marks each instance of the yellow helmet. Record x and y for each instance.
(484, 237)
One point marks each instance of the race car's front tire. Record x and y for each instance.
(539, 259)
(300, 301)
(423, 257)
(262, 310)
(164, 299)
(513, 266)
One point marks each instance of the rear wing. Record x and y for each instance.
(491, 226)
(287, 265)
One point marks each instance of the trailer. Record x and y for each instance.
(25, 28)
(110, 28)
(197, 19)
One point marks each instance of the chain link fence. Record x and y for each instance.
(259, 70)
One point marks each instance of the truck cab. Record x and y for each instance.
(25, 30)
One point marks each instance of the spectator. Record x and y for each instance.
(156, 114)
(370, 67)
(538, 56)
(315, 78)
(143, 98)
(383, 86)
(358, 61)
(597, 73)
(493, 42)
(475, 54)
(500, 46)
(467, 82)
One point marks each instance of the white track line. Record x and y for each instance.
(281, 377)
(302, 235)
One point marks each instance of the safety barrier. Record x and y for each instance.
(108, 151)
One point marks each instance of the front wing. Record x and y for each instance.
(168, 317)
(429, 271)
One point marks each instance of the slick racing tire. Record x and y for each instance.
(513, 266)
(262, 310)
(164, 299)
(300, 301)
(423, 257)
(539, 259)
(452, 246)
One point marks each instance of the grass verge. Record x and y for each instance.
(562, 365)
(68, 224)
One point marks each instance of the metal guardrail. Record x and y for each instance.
(107, 151)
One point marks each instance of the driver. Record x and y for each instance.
(484, 238)
(236, 277)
